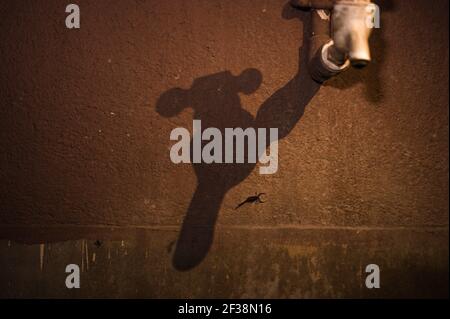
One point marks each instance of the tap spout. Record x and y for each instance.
(351, 29)
(350, 24)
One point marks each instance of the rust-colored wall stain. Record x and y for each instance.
(86, 117)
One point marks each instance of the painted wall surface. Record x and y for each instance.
(86, 176)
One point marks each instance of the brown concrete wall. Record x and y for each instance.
(84, 137)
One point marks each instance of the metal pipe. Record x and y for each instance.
(314, 4)
(320, 66)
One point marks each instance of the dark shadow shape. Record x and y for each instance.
(215, 101)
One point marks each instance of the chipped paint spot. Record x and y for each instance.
(41, 255)
(82, 256)
(87, 255)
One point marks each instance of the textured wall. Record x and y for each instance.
(85, 122)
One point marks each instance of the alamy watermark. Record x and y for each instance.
(73, 279)
(373, 279)
(373, 20)
(226, 149)
(73, 17)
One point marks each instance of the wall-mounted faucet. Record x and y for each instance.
(350, 23)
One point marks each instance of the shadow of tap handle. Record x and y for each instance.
(216, 102)
(197, 231)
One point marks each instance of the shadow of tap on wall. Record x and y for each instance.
(215, 101)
